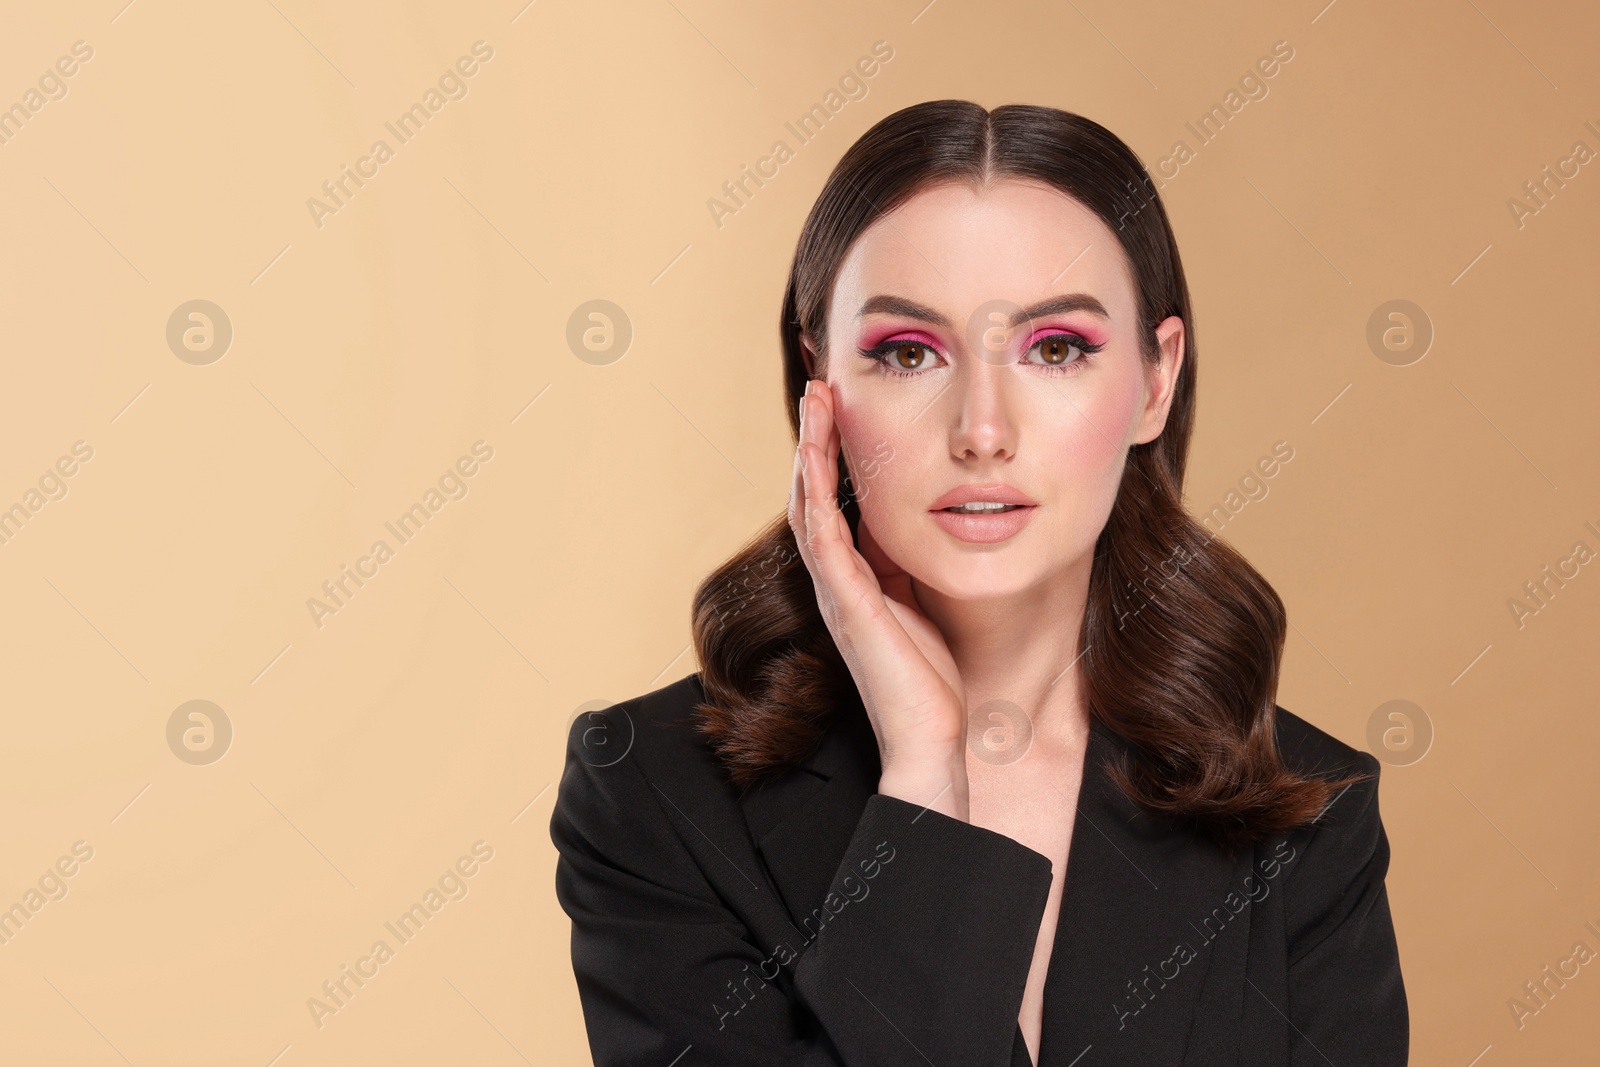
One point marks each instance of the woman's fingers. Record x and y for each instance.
(896, 657)
(829, 432)
(821, 532)
(803, 516)
(828, 437)
(827, 534)
(846, 582)
(797, 492)
(848, 587)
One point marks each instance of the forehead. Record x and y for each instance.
(953, 247)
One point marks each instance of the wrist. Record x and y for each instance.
(936, 783)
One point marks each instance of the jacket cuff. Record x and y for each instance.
(930, 929)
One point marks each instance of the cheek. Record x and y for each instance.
(876, 447)
(857, 429)
(1088, 446)
(1100, 436)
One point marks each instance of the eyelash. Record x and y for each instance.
(880, 354)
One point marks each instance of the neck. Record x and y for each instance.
(1020, 648)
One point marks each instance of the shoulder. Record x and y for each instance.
(650, 729)
(628, 766)
(1308, 749)
(1351, 814)
(1342, 855)
(636, 755)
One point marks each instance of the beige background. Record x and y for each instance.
(430, 312)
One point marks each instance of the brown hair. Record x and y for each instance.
(1186, 671)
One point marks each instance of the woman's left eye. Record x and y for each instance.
(888, 356)
(1057, 348)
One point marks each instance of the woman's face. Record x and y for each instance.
(957, 399)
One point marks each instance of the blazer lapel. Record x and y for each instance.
(1147, 913)
(802, 823)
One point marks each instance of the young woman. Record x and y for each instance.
(983, 763)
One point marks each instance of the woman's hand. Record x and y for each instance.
(904, 671)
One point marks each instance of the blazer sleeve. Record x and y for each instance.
(928, 963)
(1347, 1000)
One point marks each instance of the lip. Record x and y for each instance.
(984, 529)
(998, 493)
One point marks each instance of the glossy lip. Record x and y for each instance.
(998, 493)
(984, 529)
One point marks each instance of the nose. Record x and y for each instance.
(985, 421)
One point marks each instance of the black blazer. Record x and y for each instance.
(819, 922)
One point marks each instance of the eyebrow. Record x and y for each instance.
(896, 305)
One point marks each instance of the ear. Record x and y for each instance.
(808, 350)
(1161, 380)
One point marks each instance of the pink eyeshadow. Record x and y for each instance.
(874, 338)
(1093, 337)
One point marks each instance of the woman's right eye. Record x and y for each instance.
(901, 358)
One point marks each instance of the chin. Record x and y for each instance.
(973, 575)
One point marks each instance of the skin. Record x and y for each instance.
(932, 626)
